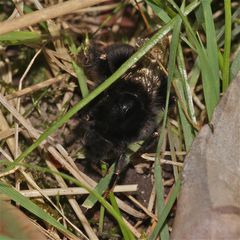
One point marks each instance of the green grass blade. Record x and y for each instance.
(160, 197)
(21, 37)
(188, 132)
(100, 188)
(159, 11)
(82, 80)
(185, 85)
(162, 7)
(101, 219)
(125, 231)
(194, 74)
(157, 167)
(7, 238)
(183, 91)
(220, 32)
(173, 148)
(212, 48)
(171, 71)
(164, 15)
(227, 44)
(166, 210)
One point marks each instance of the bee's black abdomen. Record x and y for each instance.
(122, 112)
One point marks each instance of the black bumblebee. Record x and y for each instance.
(126, 111)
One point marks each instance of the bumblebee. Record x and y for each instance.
(126, 111)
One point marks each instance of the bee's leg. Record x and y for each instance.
(120, 165)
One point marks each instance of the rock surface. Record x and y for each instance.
(209, 202)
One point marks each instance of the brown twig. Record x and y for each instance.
(37, 87)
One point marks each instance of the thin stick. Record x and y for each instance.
(46, 14)
(6, 133)
(37, 87)
(162, 161)
(98, 8)
(73, 191)
(19, 100)
(149, 213)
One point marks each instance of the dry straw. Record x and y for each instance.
(46, 14)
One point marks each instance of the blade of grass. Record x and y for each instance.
(163, 15)
(101, 219)
(194, 74)
(220, 32)
(227, 44)
(212, 48)
(172, 149)
(82, 80)
(6, 238)
(159, 11)
(164, 6)
(187, 129)
(184, 93)
(100, 188)
(21, 37)
(157, 167)
(185, 85)
(166, 210)
(110, 16)
(160, 197)
(126, 233)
